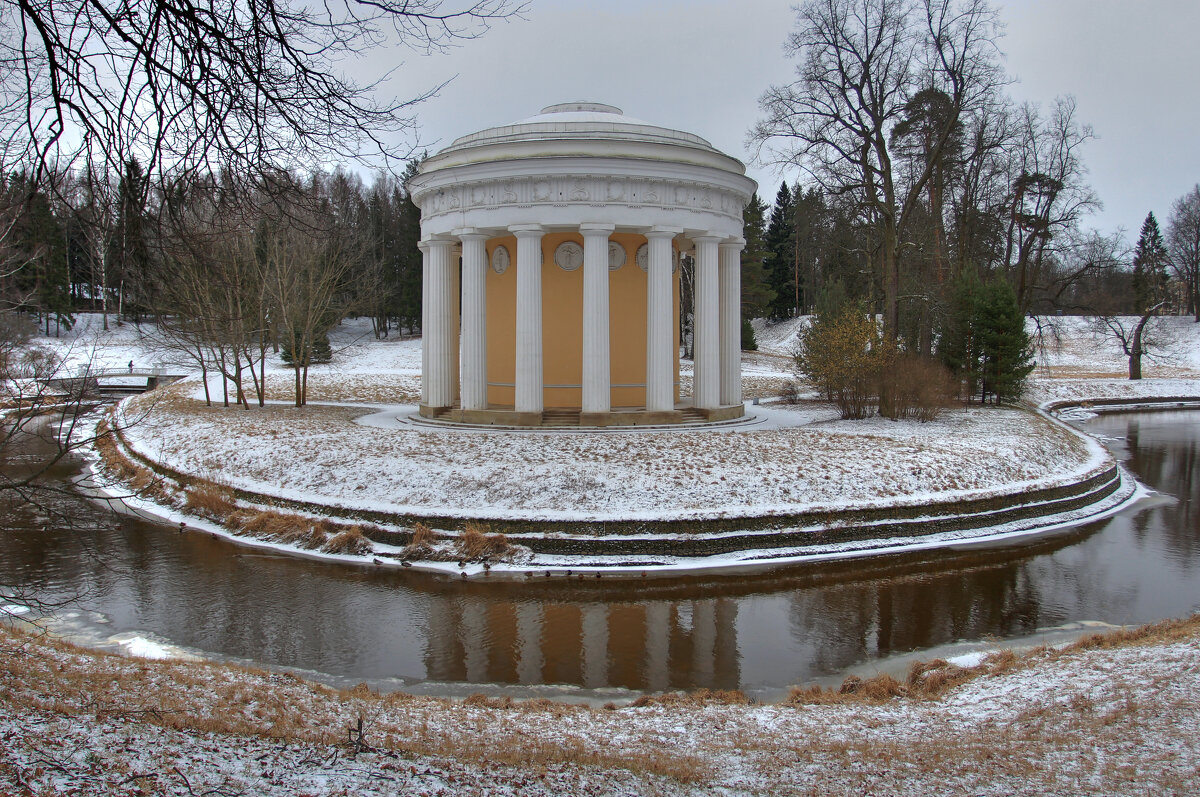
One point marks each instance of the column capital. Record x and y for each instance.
(735, 244)
(597, 229)
(470, 232)
(663, 232)
(527, 230)
(708, 237)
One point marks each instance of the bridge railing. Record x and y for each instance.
(99, 373)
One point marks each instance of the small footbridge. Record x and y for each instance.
(115, 381)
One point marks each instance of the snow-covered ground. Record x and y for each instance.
(786, 460)
(1116, 719)
(793, 460)
(1104, 720)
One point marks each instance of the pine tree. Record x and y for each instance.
(780, 246)
(1150, 261)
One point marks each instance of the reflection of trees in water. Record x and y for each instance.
(52, 540)
(1164, 452)
(847, 623)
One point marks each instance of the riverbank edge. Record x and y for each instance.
(817, 536)
(54, 678)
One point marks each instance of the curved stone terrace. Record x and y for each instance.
(791, 483)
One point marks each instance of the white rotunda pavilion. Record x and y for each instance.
(551, 282)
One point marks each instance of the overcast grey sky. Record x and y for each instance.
(700, 66)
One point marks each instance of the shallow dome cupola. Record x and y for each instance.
(551, 271)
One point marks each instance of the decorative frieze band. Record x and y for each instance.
(583, 190)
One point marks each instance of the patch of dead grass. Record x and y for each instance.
(475, 545)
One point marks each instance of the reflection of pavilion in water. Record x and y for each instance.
(651, 646)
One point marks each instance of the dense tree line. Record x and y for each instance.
(229, 273)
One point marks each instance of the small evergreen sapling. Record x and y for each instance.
(1005, 350)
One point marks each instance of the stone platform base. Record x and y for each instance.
(569, 417)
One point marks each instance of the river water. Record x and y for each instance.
(133, 579)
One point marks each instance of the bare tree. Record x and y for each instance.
(1048, 195)
(1183, 239)
(860, 63)
(1137, 336)
(215, 308)
(308, 260)
(194, 87)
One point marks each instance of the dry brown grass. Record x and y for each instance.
(141, 480)
(422, 535)
(699, 697)
(926, 680)
(350, 541)
(209, 500)
(474, 545)
(1160, 633)
(228, 699)
(420, 544)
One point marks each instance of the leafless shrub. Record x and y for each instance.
(915, 387)
(789, 392)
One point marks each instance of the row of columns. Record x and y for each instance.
(717, 343)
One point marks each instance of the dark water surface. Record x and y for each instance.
(754, 633)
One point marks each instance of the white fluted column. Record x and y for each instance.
(438, 317)
(474, 319)
(529, 317)
(597, 396)
(660, 311)
(426, 313)
(731, 322)
(706, 380)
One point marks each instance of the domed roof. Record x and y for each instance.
(581, 128)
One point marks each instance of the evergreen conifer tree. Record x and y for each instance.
(958, 345)
(1005, 352)
(756, 293)
(41, 284)
(1150, 261)
(780, 245)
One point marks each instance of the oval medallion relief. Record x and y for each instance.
(616, 255)
(500, 259)
(643, 258)
(568, 256)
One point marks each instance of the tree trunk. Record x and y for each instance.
(1135, 358)
(1135, 346)
(891, 284)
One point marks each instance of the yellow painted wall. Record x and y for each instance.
(501, 325)
(562, 325)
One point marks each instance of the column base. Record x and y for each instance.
(564, 417)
